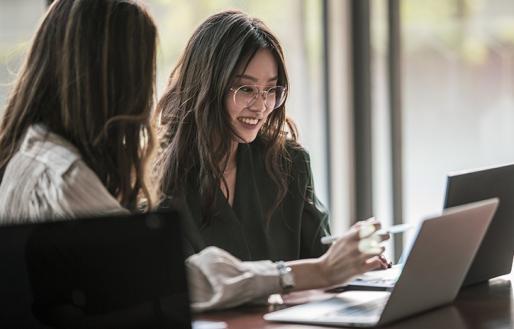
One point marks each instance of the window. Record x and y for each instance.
(457, 60)
(18, 22)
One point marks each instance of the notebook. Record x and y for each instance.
(432, 275)
(123, 271)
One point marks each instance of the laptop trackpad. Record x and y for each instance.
(358, 306)
(365, 306)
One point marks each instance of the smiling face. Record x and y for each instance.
(260, 74)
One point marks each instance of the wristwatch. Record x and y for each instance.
(286, 276)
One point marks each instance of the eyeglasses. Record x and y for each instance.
(273, 97)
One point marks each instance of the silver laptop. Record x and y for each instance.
(432, 275)
(494, 256)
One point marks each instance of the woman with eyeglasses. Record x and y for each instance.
(230, 160)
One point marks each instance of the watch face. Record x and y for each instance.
(286, 277)
(288, 280)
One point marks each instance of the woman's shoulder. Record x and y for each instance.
(296, 151)
(48, 178)
(42, 148)
(293, 153)
(33, 192)
(41, 155)
(292, 149)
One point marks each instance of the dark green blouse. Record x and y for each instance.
(295, 228)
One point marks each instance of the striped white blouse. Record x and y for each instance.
(47, 179)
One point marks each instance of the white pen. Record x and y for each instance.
(328, 239)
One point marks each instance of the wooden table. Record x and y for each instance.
(482, 306)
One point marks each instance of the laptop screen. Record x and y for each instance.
(494, 257)
(104, 272)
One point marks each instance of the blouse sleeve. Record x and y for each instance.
(218, 280)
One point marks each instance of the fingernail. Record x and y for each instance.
(369, 246)
(366, 230)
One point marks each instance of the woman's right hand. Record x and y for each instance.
(344, 259)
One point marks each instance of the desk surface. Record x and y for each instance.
(482, 306)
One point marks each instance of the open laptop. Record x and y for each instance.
(494, 257)
(432, 275)
(123, 271)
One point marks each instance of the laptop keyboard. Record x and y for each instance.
(382, 280)
(379, 282)
(365, 284)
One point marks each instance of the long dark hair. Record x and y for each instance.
(195, 128)
(89, 77)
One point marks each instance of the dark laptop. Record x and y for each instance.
(124, 271)
(494, 257)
